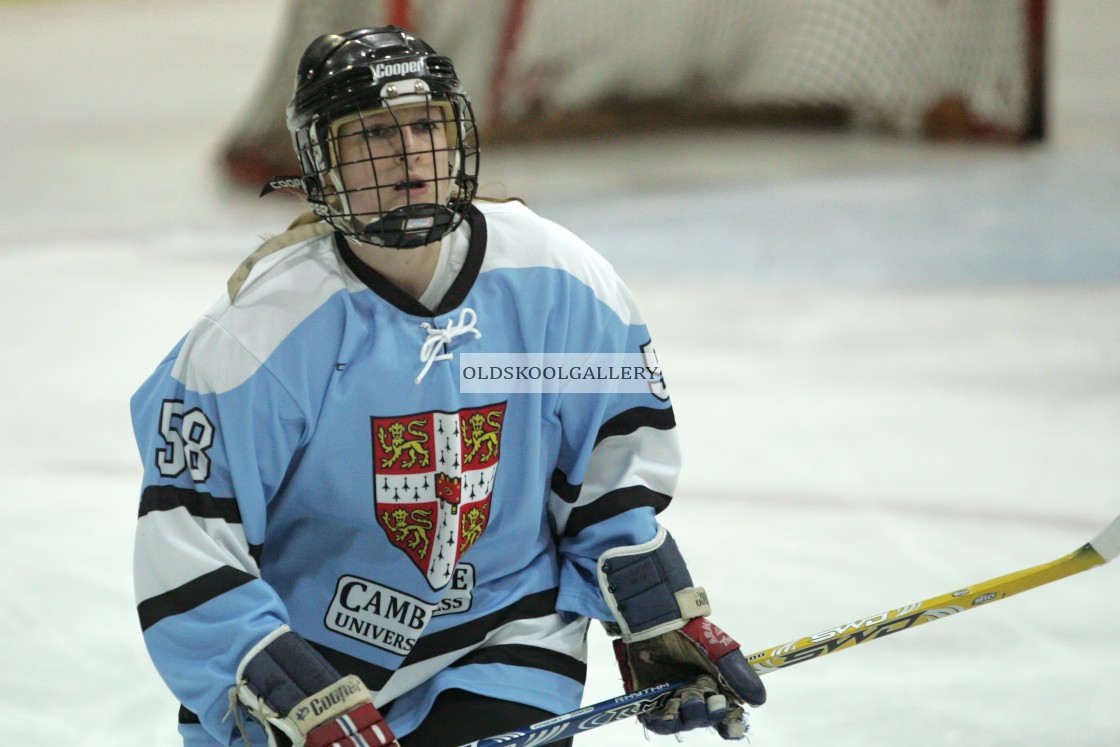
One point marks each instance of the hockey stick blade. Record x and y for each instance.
(1100, 550)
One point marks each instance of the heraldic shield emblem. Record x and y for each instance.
(433, 480)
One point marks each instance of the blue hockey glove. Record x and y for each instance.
(665, 636)
(302, 701)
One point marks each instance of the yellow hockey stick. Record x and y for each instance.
(1103, 548)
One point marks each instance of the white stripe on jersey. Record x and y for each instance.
(549, 633)
(646, 457)
(192, 557)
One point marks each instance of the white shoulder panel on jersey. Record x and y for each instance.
(517, 237)
(231, 340)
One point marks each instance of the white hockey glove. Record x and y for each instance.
(302, 701)
(665, 636)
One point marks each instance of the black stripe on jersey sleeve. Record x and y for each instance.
(202, 505)
(188, 717)
(628, 421)
(520, 655)
(191, 594)
(568, 493)
(612, 504)
(623, 424)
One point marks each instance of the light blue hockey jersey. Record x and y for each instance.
(423, 538)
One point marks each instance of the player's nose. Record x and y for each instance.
(413, 143)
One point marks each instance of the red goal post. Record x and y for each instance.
(942, 69)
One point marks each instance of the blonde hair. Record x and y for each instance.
(305, 218)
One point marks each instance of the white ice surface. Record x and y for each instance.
(896, 370)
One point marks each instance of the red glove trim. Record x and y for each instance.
(622, 656)
(362, 727)
(708, 636)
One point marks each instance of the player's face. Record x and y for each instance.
(389, 159)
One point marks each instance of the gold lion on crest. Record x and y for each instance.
(397, 445)
(409, 528)
(478, 437)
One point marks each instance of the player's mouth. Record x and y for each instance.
(412, 187)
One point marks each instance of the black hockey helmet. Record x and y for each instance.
(353, 89)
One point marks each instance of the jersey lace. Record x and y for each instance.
(439, 337)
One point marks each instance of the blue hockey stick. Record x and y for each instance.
(590, 717)
(1101, 549)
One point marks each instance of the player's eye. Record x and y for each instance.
(379, 132)
(425, 125)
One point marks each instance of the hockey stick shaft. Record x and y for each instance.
(1099, 551)
(1102, 549)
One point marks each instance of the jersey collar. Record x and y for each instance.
(456, 294)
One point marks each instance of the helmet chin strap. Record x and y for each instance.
(409, 226)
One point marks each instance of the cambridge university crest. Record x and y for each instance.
(433, 480)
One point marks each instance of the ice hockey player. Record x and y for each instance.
(341, 544)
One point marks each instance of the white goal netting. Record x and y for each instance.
(942, 68)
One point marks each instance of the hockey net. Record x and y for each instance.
(942, 69)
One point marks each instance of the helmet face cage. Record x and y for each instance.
(386, 138)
